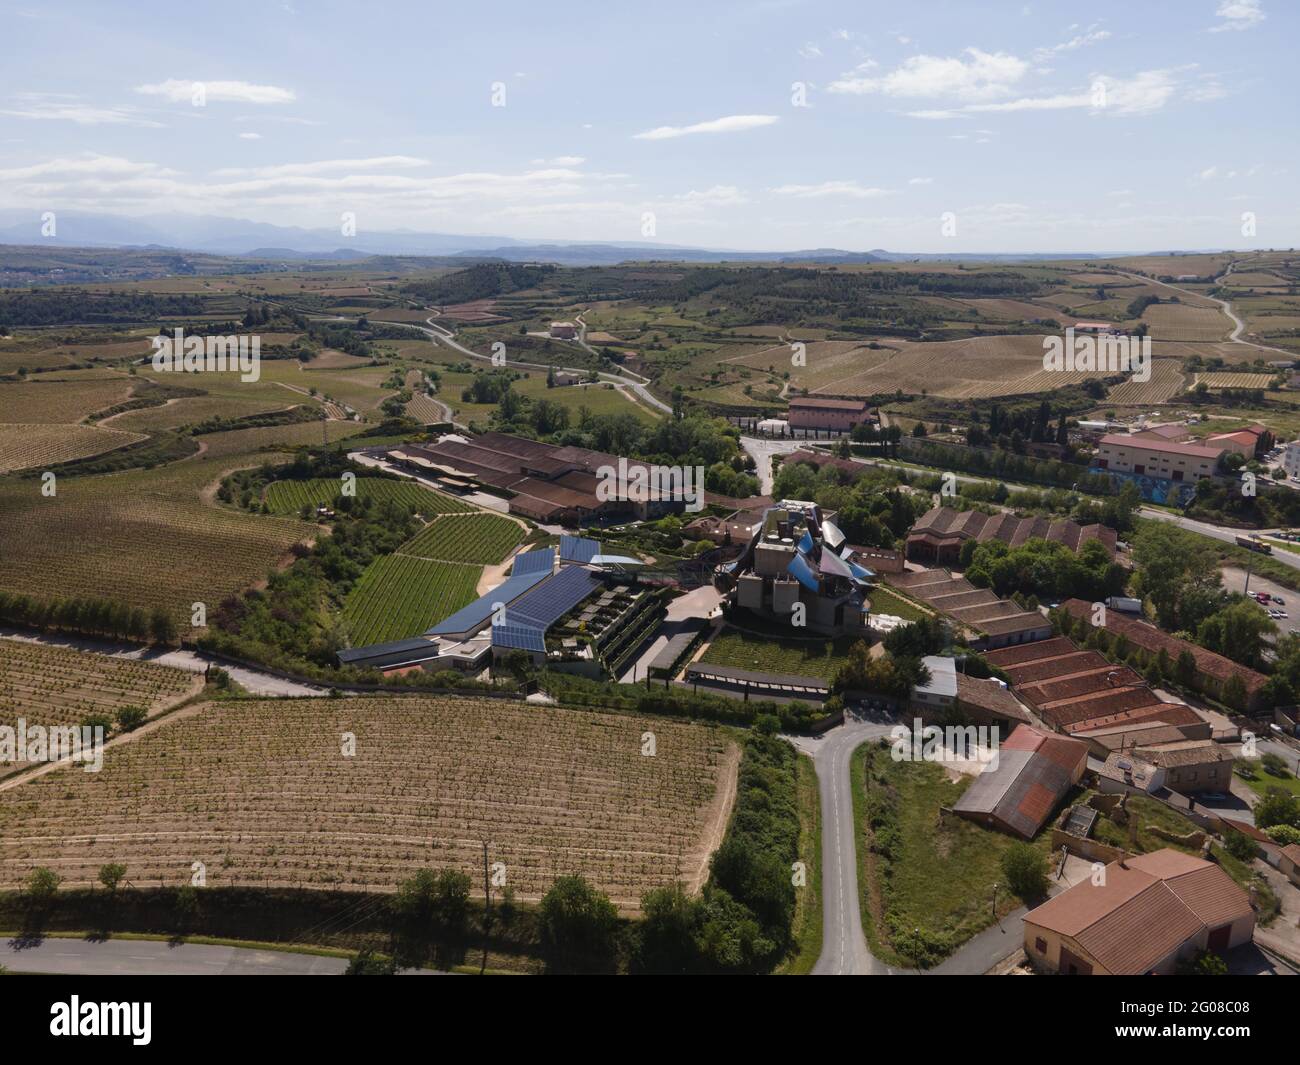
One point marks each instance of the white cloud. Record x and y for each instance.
(175, 91)
(1081, 40)
(831, 188)
(729, 124)
(1141, 94)
(810, 51)
(250, 136)
(920, 181)
(561, 160)
(325, 166)
(934, 115)
(1238, 15)
(63, 108)
(979, 76)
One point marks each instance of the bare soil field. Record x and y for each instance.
(261, 792)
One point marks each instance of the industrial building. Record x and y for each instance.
(544, 482)
(831, 415)
(1033, 773)
(574, 609)
(987, 621)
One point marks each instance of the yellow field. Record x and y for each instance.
(1178, 321)
(23, 446)
(261, 792)
(976, 368)
(1234, 380)
(60, 401)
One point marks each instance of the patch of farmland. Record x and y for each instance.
(332, 359)
(291, 436)
(826, 362)
(400, 596)
(190, 410)
(1234, 380)
(147, 538)
(425, 409)
(1167, 381)
(482, 538)
(61, 401)
(47, 686)
(974, 368)
(289, 497)
(259, 792)
(1010, 310)
(23, 446)
(1178, 321)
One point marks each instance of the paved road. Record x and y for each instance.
(139, 957)
(762, 450)
(844, 946)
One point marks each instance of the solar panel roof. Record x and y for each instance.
(477, 613)
(578, 549)
(518, 637)
(540, 561)
(553, 598)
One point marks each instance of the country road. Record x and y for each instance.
(146, 957)
(844, 946)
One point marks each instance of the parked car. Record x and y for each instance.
(1279, 600)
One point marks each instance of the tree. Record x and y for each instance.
(1277, 807)
(1241, 846)
(667, 931)
(42, 885)
(577, 925)
(1238, 631)
(1026, 870)
(1205, 963)
(111, 875)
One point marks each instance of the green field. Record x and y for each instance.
(809, 658)
(482, 538)
(886, 601)
(289, 497)
(400, 596)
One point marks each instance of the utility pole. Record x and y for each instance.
(1250, 562)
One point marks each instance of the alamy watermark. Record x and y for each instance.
(1108, 353)
(194, 354)
(948, 743)
(638, 482)
(53, 743)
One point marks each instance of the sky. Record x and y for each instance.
(763, 125)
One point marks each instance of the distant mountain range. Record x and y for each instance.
(262, 240)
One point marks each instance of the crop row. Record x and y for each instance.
(289, 497)
(400, 595)
(271, 791)
(483, 538)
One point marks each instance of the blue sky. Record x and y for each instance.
(1036, 127)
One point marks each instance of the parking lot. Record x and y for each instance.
(1234, 580)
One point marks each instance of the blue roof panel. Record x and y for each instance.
(802, 572)
(578, 549)
(553, 598)
(540, 561)
(474, 616)
(518, 637)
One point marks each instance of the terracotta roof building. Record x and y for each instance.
(1034, 771)
(1213, 671)
(1145, 915)
(939, 533)
(1076, 691)
(992, 622)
